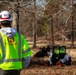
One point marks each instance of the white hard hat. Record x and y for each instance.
(5, 16)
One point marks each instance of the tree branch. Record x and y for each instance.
(24, 4)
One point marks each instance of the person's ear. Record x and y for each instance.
(0, 24)
(11, 23)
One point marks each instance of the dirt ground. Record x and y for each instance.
(36, 68)
(43, 70)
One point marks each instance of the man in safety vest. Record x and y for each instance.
(14, 49)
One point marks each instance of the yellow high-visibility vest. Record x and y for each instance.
(12, 50)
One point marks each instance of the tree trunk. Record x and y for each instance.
(34, 28)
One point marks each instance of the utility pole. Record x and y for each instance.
(72, 34)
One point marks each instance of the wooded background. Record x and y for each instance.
(53, 20)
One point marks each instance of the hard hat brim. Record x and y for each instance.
(3, 19)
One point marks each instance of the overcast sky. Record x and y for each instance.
(41, 2)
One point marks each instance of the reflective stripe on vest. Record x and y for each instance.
(10, 60)
(19, 46)
(2, 46)
(3, 51)
(26, 51)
